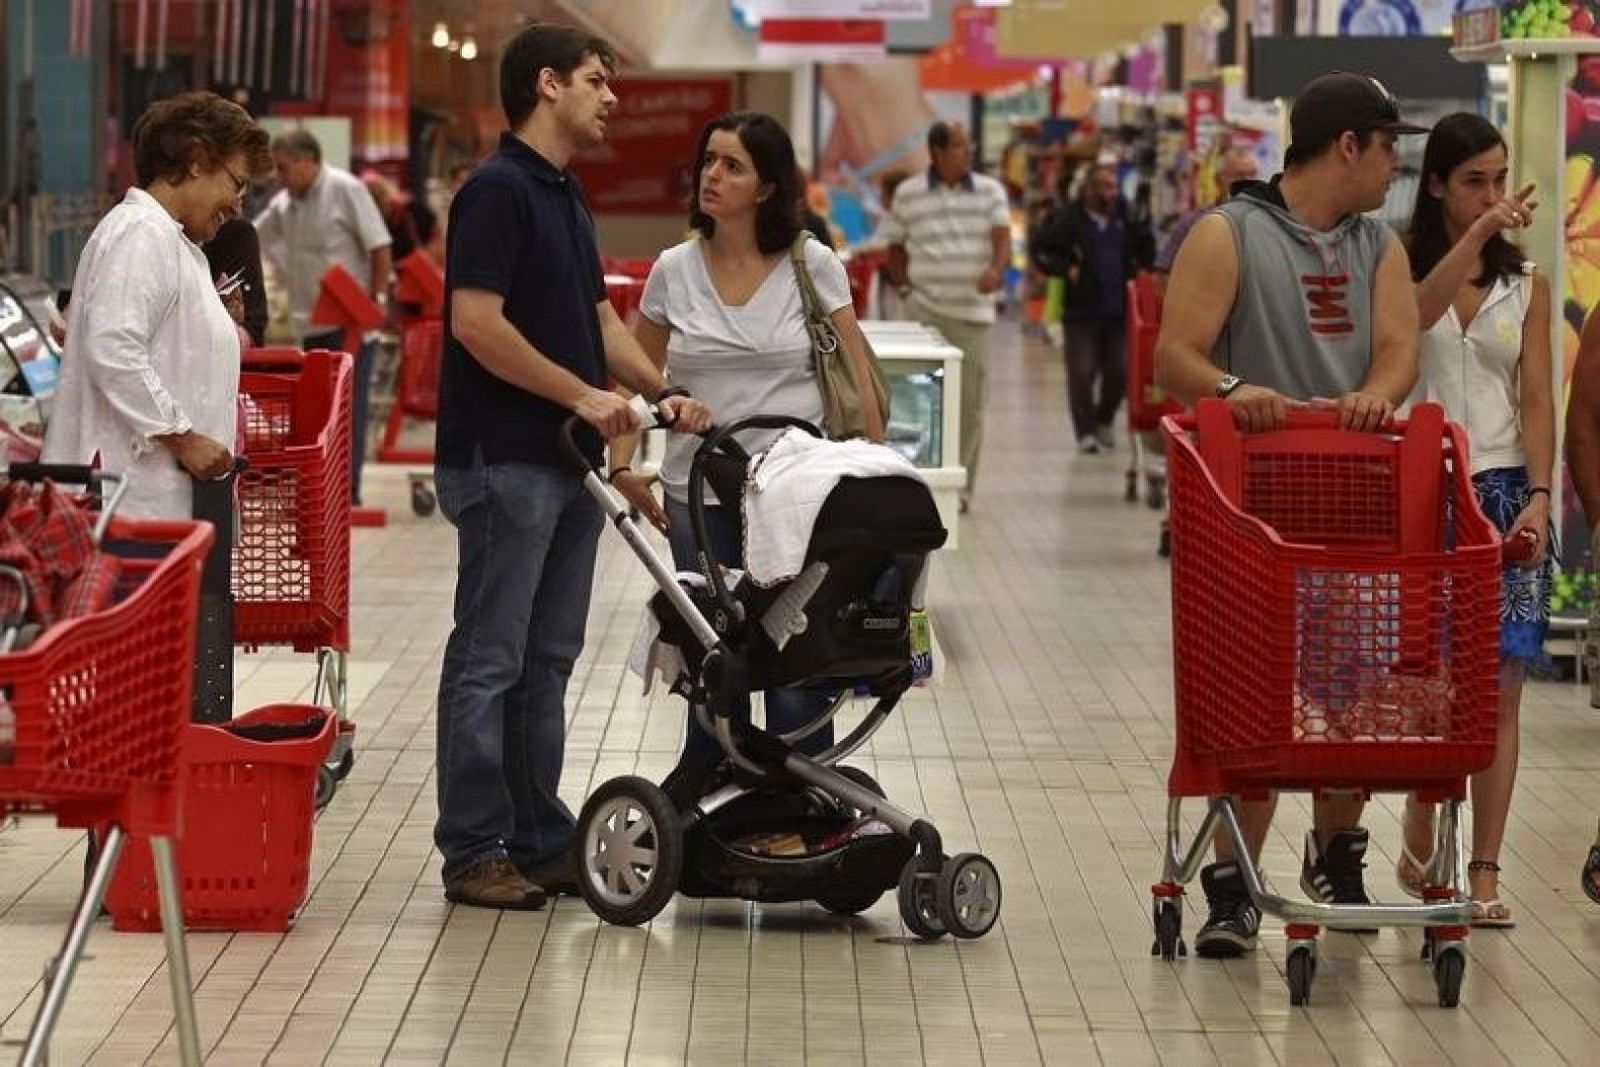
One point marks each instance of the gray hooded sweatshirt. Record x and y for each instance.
(1301, 323)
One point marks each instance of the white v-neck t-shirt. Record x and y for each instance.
(750, 359)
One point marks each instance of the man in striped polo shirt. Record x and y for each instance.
(949, 234)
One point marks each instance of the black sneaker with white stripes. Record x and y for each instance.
(1333, 875)
(1235, 920)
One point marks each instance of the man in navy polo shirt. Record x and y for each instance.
(531, 338)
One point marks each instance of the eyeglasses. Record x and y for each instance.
(239, 184)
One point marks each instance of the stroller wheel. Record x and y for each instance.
(917, 909)
(853, 900)
(968, 895)
(631, 851)
(861, 778)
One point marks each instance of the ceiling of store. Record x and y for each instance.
(670, 32)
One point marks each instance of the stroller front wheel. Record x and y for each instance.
(967, 895)
(917, 908)
(631, 851)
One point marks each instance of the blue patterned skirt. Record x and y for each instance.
(1524, 591)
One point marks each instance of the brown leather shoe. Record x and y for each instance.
(494, 884)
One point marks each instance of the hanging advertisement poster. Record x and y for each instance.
(643, 165)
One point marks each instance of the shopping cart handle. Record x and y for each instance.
(66, 473)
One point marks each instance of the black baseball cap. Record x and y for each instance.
(1334, 103)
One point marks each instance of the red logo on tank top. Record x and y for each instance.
(1326, 304)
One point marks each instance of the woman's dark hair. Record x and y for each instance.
(561, 48)
(1455, 139)
(199, 127)
(778, 216)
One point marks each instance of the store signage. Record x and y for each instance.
(1205, 118)
(643, 165)
(761, 10)
(822, 40)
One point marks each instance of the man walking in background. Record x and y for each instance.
(949, 234)
(322, 217)
(1097, 247)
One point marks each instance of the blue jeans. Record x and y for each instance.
(787, 709)
(527, 536)
(360, 388)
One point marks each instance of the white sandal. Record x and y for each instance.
(1411, 873)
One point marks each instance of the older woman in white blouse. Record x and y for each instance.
(150, 376)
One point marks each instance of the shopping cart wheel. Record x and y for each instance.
(1156, 493)
(631, 854)
(1168, 915)
(1449, 968)
(327, 785)
(967, 895)
(1164, 542)
(917, 908)
(346, 764)
(1302, 968)
(423, 500)
(1130, 492)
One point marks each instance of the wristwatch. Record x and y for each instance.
(1228, 383)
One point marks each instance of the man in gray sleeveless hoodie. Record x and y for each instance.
(1288, 294)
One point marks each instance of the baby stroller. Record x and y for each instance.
(842, 623)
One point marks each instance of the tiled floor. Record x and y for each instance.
(1046, 746)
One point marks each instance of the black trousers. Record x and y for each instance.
(1097, 372)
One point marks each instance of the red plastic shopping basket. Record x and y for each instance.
(101, 702)
(291, 565)
(1148, 403)
(1335, 605)
(244, 848)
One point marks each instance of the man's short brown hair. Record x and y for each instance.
(199, 127)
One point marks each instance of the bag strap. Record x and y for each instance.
(802, 276)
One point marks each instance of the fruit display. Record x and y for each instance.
(1545, 19)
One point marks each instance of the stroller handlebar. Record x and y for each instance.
(649, 415)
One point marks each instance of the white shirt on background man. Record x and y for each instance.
(150, 351)
(337, 221)
(948, 233)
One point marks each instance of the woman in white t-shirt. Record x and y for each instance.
(722, 313)
(1485, 356)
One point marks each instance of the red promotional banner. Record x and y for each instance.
(815, 40)
(644, 166)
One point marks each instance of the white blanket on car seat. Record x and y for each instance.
(786, 488)
(651, 656)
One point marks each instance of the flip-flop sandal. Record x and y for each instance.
(1492, 915)
(1591, 875)
(1410, 873)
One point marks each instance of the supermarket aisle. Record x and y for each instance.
(1046, 746)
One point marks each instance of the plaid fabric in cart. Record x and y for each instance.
(46, 535)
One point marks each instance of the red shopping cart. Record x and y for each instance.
(100, 704)
(416, 396)
(291, 566)
(1335, 617)
(1148, 403)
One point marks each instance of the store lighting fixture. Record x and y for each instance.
(441, 35)
(469, 49)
